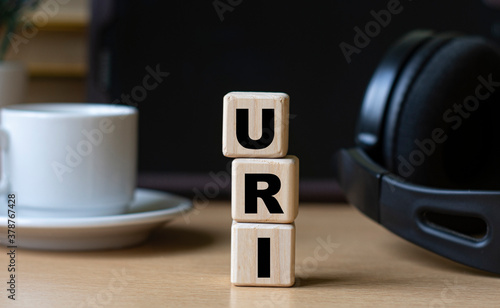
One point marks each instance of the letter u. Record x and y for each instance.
(242, 129)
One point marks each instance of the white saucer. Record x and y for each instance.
(150, 209)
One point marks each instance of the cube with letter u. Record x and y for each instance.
(255, 124)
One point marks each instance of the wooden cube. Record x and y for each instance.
(263, 254)
(265, 190)
(255, 124)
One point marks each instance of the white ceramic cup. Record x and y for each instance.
(69, 160)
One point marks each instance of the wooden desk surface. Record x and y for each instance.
(187, 263)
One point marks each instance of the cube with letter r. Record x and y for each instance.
(265, 189)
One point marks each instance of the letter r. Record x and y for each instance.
(252, 193)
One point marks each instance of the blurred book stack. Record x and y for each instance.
(52, 42)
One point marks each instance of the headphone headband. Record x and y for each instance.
(406, 209)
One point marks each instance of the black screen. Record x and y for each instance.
(210, 48)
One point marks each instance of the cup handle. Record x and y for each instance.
(4, 147)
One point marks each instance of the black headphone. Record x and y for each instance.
(427, 161)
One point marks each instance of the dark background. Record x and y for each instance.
(284, 46)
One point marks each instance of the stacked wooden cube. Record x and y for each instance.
(265, 185)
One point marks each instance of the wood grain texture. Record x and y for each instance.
(244, 254)
(255, 102)
(286, 169)
(343, 259)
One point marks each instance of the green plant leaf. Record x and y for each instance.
(10, 12)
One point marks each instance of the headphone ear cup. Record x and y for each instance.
(400, 88)
(445, 133)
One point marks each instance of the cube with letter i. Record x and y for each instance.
(265, 185)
